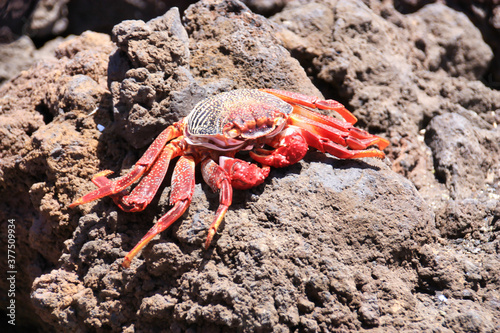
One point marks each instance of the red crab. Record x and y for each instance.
(215, 130)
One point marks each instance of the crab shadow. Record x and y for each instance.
(242, 198)
(339, 164)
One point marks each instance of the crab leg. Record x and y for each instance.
(354, 138)
(217, 179)
(180, 197)
(112, 187)
(144, 192)
(325, 145)
(330, 140)
(231, 173)
(313, 102)
(292, 144)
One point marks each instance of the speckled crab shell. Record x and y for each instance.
(229, 120)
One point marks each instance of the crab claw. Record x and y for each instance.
(243, 175)
(290, 146)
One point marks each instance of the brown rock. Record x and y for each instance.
(323, 245)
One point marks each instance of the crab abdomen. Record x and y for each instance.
(236, 116)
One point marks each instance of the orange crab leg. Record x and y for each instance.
(231, 173)
(320, 118)
(180, 197)
(355, 138)
(144, 192)
(313, 102)
(217, 179)
(289, 146)
(292, 144)
(325, 145)
(112, 187)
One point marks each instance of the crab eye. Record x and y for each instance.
(278, 122)
(233, 133)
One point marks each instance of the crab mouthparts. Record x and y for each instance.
(254, 129)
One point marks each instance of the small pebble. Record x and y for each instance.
(442, 298)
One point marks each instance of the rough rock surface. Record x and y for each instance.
(21, 55)
(41, 19)
(409, 243)
(44, 134)
(485, 14)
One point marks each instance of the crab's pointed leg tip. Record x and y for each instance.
(75, 203)
(126, 263)
(383, 143)
(103, 173)
(211, 234)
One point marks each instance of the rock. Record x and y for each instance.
(48, 18)
(465, 150)
(450, 41)
(150, 75)
(470, 321)
(47, 295)
(22, 50)
(233, 48)
(44, 121)
(405, 244)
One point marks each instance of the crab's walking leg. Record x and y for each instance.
(313, 102)
(292, 144)
(217, 179)
(231, 173)
(355, 138)
(145, 191)
(341, 133)
(180, 197)
(328, 139)
(111, 187)
(325, 145)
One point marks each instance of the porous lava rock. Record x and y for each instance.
(407, 243)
